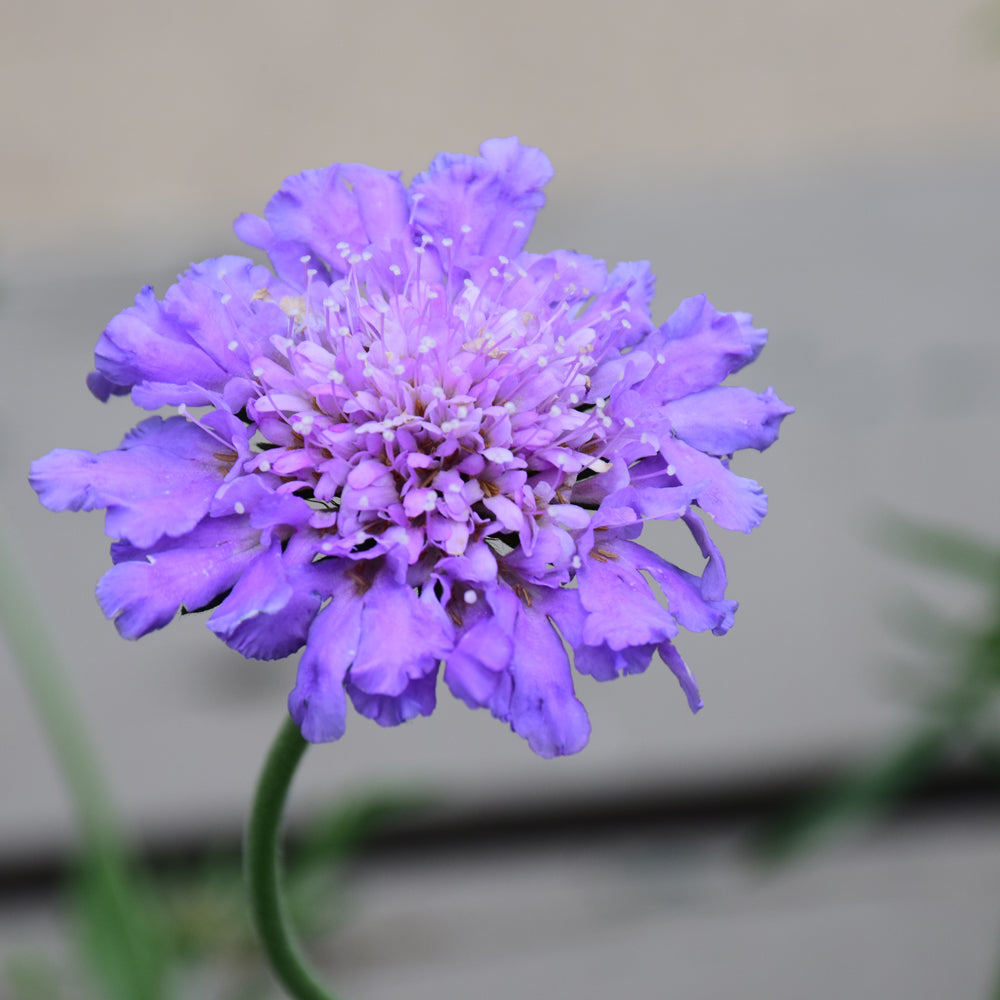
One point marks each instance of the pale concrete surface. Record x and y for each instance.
(124, 113)
(831, 168)
(911, 914)
(907, 913)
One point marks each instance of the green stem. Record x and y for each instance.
(262, 866)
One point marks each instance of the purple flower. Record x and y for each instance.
(416, 443)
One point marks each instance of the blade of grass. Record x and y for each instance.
(122, 936)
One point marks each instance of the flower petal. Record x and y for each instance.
(697, 348)
(475, 667)
(402, 637)
(733, 501)
(318, 702)
(621, 607)
(330, 215)
(160, 481)
(207, 329)
(713, 576)
(725, 419)
(144, 594)
(418, 697)
(605, 664)
(684, 676)
(536, 694)
(683, 592)
(268, 613)
(486, 204)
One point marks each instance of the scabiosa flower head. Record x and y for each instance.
(415, 443)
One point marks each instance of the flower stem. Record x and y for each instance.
(262, 867)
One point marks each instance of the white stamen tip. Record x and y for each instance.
(239, 508)
(470, 597)
(225, 298)
(233, 345)
(305, 259)
(466, 229)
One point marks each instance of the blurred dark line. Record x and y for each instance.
(435, 831)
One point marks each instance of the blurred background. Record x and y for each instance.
(832, 169)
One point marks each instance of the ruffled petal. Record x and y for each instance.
(713, 576)
(286, 255)
(268, 613)
(144, 593)
(330, 215)
(318, 702)
(697, 348)
(160, 481)
(725, 419)
(605, 664)
(536, 696)
(735, 502)
(186, 349)
(402, 637)
(685, 600)
(145, 343)
(684, 676)
(637, 279)
(487, 204)
(418, 697)
(474, 668)
(621, 607)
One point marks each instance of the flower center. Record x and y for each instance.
(454, 414)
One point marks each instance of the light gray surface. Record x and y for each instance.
(908, 913)
(912, 914)
(879, 289)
